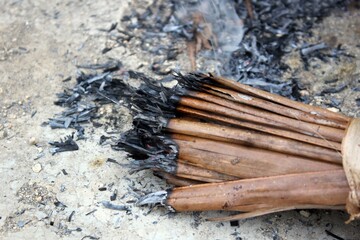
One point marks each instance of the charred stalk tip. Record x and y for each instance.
(153, 198)
(166, 164)
(156, 198)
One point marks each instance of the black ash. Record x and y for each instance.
(248, 44)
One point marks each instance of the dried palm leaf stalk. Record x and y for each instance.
(228, 146)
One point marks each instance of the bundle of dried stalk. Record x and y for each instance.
(228, 146)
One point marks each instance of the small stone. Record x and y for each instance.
(305, 213)
(40, 215)
(38, 198)
(3, 134)
(33, 141)
(333, 109)
(21, 224)
(62, 188)
(304, 93)
(37, 168)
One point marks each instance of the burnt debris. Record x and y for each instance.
(68, 144)
(80, 102)
(112, 206)
(248, 39)
(97, 86)
(106, 84)
(250, 50)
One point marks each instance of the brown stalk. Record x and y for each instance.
(191, 49)
(226, 147)
(189, 171)
(244, 162)
(323, 113)
(201, 38)
(260, 127)
(273, 209)
(270, 106)
(175, 180)
(327, 188)
(263, 154)
(240, 111)
(249, 8)
(252, 139)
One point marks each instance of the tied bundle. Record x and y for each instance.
(229, 146)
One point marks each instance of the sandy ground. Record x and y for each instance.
(40, 44)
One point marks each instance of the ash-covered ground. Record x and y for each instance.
(87, 194)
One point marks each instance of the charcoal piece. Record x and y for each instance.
(335, 102)
(103, 139)
(113, 161)
(114, 195)
(80, 132)
(111, 99)
(71, 216)
(331, 234)
(234, 223)
(66, 99)
(331, 81)
(96, 78)
(90, 237)
(67, 79)
(90, 212)
(76, 113)
(33, 113)
(68, 144)
(112, 206)
(120, 37)
(74, 230)
(112, 27)
(60, 204)
(96, 124)
(166, 79)
(336, 89)
(172, 53)
(111, 65)
(105, 50)
(309, 49)
(358, 102)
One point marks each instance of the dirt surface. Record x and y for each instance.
(62, 196)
